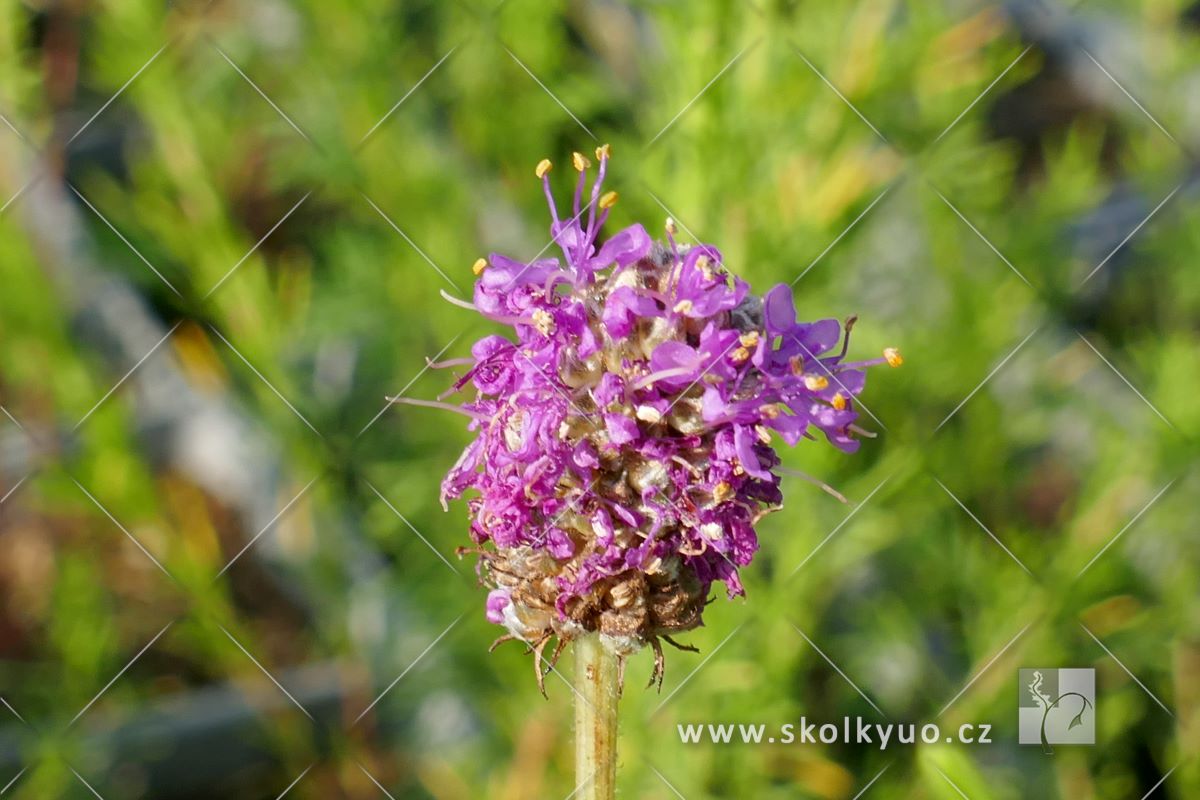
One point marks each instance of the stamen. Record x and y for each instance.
(795, 473)
(409, 401)
(749, 339)
(580, 161)
(739, 355)
(603, 152)
(894, 359)
(669, 227)
(815, 383)
(543, 167)
(722, 492)
(479, 266)
(543, 321)
(839, 402)
(682, 307)
(648, 414)
(608, 200)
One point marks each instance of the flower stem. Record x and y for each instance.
(595, 719)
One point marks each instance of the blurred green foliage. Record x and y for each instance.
(307, 176)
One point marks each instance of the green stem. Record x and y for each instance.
(595, 719)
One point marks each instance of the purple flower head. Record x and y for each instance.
(625, 429)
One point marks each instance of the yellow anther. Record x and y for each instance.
(543, 167)
(764, 435)
(543, 321)
(839, 402)
(769, 411)
(796, 364)
(722, 492)
(479, 266)
(739, 355)
(580, 161)
(602, 152)
(648, 414)
(682, 307)
(815, 383)
(894, 359)
(608, 199)
(669, 227)
(749, 339)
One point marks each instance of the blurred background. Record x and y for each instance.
(224, 571)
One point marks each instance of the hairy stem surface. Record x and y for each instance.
(595, 719)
